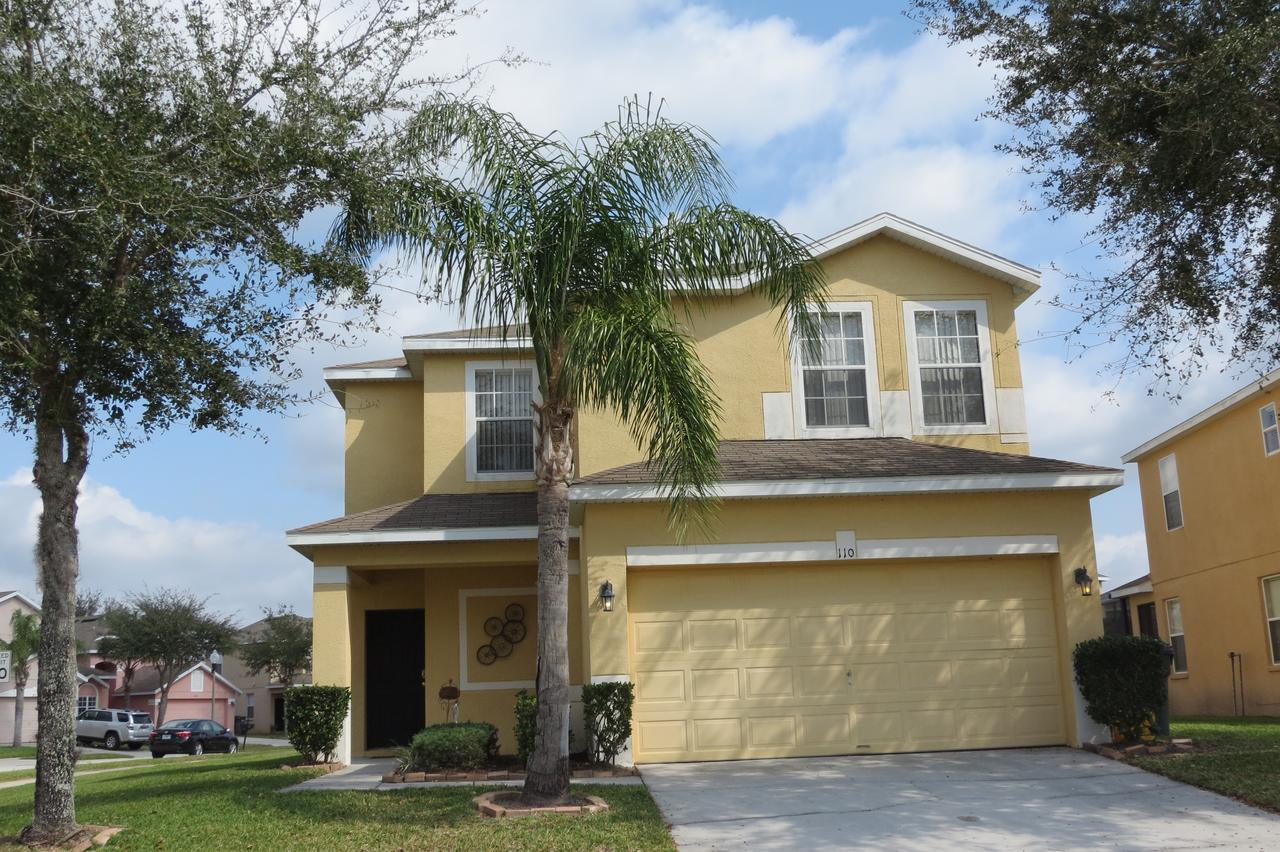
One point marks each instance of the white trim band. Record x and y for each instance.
(312, 539)
(827, 551)
(1104, 481)
(367, 374)
(467, 344)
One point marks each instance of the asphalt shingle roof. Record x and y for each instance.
(851, 458)
(372, 365)
(440, 511)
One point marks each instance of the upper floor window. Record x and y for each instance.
(1271, 595)
(1170, 493)
(500, 420)
(948, 350)
(837, 394)
(1270, 429)
(1173, 611)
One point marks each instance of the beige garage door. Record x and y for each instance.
(776, 661)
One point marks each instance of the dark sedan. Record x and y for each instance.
(192, 736)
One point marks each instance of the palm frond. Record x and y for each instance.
(626, 353)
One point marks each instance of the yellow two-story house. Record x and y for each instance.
(889, 569)
(1211, 506)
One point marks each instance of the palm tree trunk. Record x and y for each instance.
(19, 704)
(57, 555)
(548, 778)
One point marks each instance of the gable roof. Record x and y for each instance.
(1200, 418)
(147, 680)
(1024, 280)
(1136, 586)
(14, 595)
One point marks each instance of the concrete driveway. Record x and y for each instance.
(1049, 798)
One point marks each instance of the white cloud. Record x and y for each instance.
(124, 549)
(1121, 557)
(745, 81)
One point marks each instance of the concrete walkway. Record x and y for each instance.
(366, 774)
(1052, 798)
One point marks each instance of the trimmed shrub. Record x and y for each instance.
(313, 716)
(1124, 681)
(526, 724)
(606, 712)
(457, 745)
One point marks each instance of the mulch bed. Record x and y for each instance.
(482, 775)
(1120, 751)
(506, 803)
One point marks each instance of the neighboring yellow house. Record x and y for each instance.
(890, 570)
(1211, 503)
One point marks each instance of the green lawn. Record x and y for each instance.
(1241, 757)
(221, 802)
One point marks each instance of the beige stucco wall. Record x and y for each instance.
(383, 443)
(1214, 564)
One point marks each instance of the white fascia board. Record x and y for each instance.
(1197, 420)
(826, 551)
(21, 597)
(367, 374)
(1100, 481)
(526, 533)
(466, 344)
(1140, 589)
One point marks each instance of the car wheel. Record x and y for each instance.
(233, 748)
(112, 741)
(134, 746)
(197, 749)
(157, 755)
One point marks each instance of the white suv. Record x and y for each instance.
(113, 728)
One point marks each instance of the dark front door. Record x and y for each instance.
(1147, 620)
(394, 657)
(277, 712)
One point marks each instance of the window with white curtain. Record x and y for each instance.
(1173, 614)
(500, 420)
(833, 371)
(952, 383)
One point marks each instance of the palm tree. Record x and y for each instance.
(22, 647)
(593, 249)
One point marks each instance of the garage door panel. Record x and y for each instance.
(906, 670)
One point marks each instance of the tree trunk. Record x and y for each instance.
(164, 701)
(548, 771)
(58, 479)
(19, 704)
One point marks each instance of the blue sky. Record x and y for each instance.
(827, 113)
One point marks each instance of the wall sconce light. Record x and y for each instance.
(606, 596)
(1084, 581)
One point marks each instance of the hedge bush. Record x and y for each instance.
(606, 711)
(457, 745)
(526, 724)
(1124, 681)
(313, 716)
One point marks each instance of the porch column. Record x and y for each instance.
(331, 639)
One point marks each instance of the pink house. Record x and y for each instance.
(197, 693)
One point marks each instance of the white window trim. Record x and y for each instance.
(473, 475)
(979, 307)
(86, 702)
(1164, 508)
(1268, 617)
(197, 681)
(1275, 415)
(874, 428)
(1168, 623)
